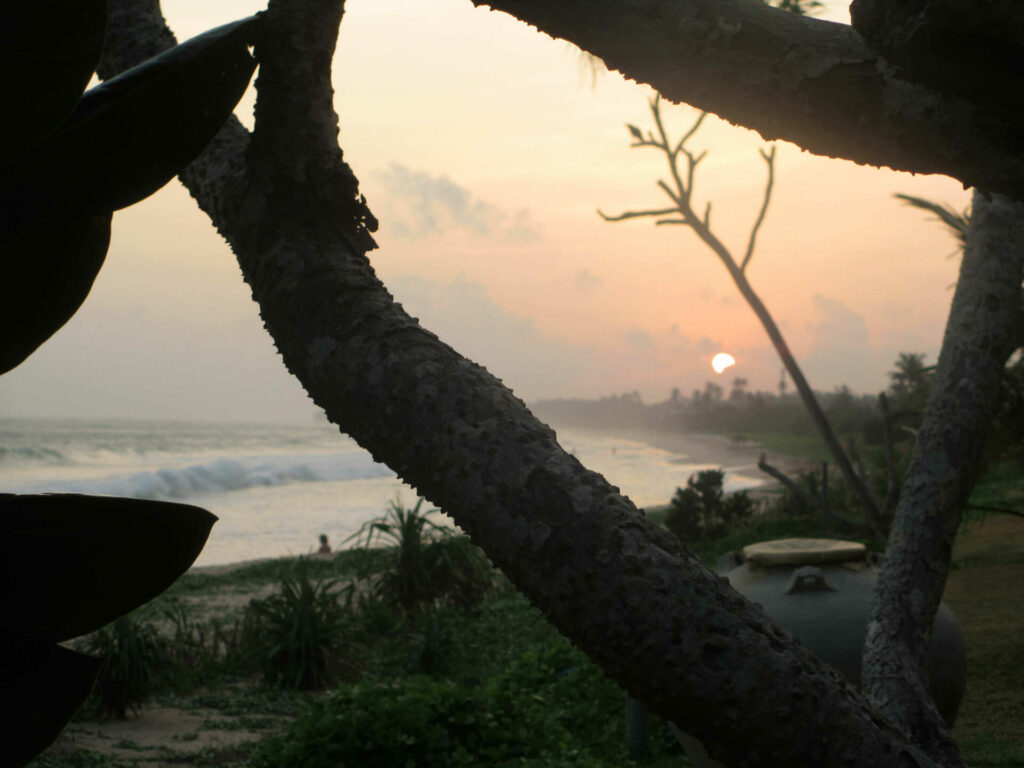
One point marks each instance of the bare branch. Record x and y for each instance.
(635, 214)
(891, 489)
(851, 451)
(703, 230)
(798, 491)
(693, 129)
(681, 207)
(1003, 510)
(769, 159)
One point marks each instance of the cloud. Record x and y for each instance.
(539, 366)
(638, 339)
(412, 203)
(841, 351)
(587, 281)
(464, 315)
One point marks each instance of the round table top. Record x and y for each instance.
(803, 551)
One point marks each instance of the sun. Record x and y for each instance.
(721, 361)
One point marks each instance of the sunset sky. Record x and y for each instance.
(485, 148)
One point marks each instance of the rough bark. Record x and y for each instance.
(964, 398)
(812, 82)
(673, 634)
(964, 47)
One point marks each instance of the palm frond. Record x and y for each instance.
(959, 222)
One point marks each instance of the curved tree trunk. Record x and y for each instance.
(982, 331)
(671, 633)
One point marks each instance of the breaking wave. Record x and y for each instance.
(229, 474)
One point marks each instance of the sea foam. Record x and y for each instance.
(224, 475)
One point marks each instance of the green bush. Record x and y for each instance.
(529, 716)
(700, 510)
(295, 635)
(135, 657)
(433, 644)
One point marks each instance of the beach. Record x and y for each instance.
(646, 459)
(276, 488)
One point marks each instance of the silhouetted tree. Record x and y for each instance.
(739, 389)
(910, 376)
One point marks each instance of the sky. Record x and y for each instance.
(485, 149)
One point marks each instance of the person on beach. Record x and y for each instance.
(325, 548)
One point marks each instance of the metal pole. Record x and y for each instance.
(636, 729)
(824, 497)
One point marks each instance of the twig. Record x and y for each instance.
(891, 489)
(769, 159)
(874, 513)
(811, 502)
(636, 214)
(1004, 510)
(681, 197)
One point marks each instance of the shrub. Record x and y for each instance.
(428, 562)
(433, 644)
(528, 716)
(684, 517)
(295, 634)
(134, 659)
(700, 509)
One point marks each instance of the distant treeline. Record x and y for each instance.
(711, 410)
(740, 412)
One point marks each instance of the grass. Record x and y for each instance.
(986, 592)
(810, 447)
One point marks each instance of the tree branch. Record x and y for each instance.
(974, 50)
(891, 486)
(682, 199)
(963, 399)
(791, 77)
(794, 488)
(635, 214)
(1003, 510)
(769, 159)
(623, 589)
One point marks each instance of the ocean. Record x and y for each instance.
(275, 488)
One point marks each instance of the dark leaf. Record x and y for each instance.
(132, 134)
(71, 564)
(635, 131)
(47, 273)
(42, 685)
(49, 49)
(959, 223)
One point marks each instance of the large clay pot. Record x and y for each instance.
(821, 591)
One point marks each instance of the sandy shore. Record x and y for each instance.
(716, 450)
(712, 449)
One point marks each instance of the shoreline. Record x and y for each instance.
(717, 450)
(722, 451)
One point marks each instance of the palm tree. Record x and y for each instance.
(910, 379)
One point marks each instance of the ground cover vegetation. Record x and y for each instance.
(502, 686)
